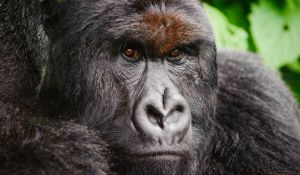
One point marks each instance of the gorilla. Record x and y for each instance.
(135, 87)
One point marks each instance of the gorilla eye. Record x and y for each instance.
(175, 55)
(131, 53)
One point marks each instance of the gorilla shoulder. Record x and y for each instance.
(245, 74)
(257, 118)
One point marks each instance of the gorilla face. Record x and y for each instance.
(142, 72)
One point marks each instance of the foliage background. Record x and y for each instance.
(270, 28)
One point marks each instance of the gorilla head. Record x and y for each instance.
(142, 72)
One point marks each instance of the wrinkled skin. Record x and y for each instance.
(140, 89)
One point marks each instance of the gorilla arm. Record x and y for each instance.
(38, 145)
(258, 120)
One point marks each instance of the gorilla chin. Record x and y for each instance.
(159, 150)
(160, 163)
(160, 159)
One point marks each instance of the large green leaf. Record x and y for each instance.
(227, 35)
(275, 29)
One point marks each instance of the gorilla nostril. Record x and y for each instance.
(178, 108)
(151, 110)
(155, 116)
(175, 114)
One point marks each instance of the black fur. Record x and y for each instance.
(35, 145)
(65, 101)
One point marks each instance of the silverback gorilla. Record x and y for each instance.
(135, 87)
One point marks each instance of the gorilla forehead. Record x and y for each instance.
(165, 28)
(161, 24)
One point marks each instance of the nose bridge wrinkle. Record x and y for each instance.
(164, 97)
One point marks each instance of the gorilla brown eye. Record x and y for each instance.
(131, 53)
(175, 55)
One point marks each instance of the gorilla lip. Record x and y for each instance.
(159, 155)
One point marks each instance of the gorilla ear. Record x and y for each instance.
(52, 11)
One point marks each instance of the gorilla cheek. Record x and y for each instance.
(105, 97)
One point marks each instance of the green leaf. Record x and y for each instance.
(276, 31)
(227, 35)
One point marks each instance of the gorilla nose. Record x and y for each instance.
(161, 114)
(159, 117)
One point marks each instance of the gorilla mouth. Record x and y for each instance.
(160, 155)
